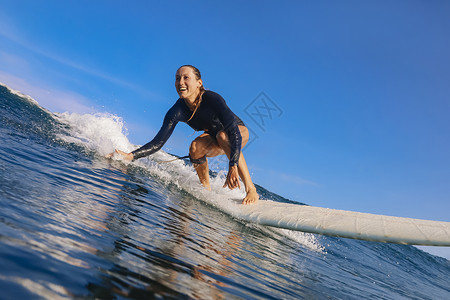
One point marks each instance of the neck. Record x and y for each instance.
(192, 102)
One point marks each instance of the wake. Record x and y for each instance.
(102, 133)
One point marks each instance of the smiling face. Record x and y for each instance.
(187, 84)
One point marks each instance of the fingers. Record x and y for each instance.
(232, 184)
(121, 152)
(227, 184)
(125, 155)
(232, 181)
(235, 182)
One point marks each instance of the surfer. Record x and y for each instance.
(224, 132)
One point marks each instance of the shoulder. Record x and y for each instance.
(210, 95)
(177, 110)
(175, 107)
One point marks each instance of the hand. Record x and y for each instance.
(232, 178)
(125, 155)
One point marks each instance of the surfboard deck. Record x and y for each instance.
(348, 224)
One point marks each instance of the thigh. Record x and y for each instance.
(244, 134)
(207, 145)
(224, 141)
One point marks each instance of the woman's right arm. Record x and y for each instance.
(170, 121)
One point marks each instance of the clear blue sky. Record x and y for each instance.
(363, 86)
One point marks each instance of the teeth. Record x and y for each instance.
(182, 89)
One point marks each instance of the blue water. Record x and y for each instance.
(76, 225)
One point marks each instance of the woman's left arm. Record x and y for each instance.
(227, 118)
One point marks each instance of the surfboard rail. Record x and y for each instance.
(348, 224)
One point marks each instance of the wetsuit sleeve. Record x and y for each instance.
(170, 121)
(227, 118)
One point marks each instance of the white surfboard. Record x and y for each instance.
(348, 224)
(332, 222)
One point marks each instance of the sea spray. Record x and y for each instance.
(76, 225)
(103, 133)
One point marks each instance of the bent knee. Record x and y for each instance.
(197, 149)
(222, 136)
(193, 149)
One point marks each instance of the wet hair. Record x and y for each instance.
(198, 76)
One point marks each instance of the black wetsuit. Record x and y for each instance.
(213, 115)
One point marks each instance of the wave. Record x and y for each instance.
(100, 133)
(113, 229)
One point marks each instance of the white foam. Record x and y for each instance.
(308, 240)
(101, 132)
(105, 132)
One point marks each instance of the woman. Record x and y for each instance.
(224, 132)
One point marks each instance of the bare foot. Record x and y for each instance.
(252, 197)
(206, 185)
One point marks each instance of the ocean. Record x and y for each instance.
(74, 225)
